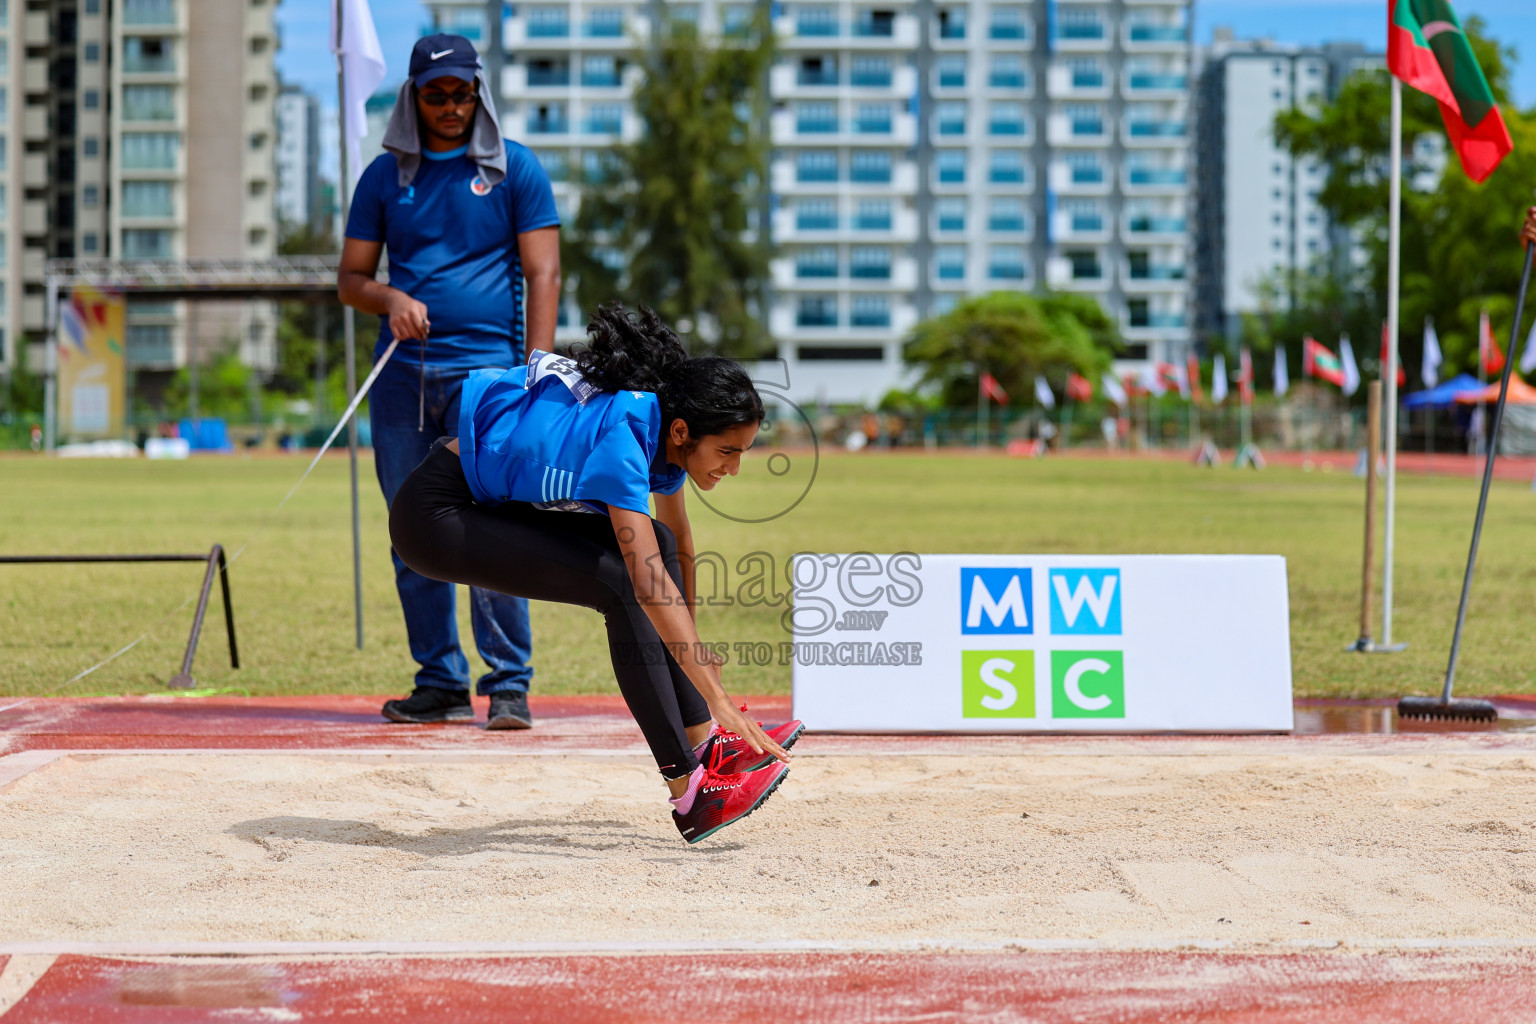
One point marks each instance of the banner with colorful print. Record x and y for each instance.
(93, 368)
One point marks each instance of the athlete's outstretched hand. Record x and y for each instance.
(731, 719)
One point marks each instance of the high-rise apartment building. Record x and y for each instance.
(923, 151)
(297, 158)
(137, 128)
(1259, 221)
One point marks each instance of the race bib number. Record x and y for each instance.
(542, 364)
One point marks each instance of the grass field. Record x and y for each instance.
(293, 595)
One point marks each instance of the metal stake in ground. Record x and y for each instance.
(1445, 707)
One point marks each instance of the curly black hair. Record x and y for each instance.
(637, 351)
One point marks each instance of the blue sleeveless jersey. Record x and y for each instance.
(542, 434)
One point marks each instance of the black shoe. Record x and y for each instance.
(509, 710)
(431, 704)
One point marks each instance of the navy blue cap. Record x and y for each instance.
(437, 55)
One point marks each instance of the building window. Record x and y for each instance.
(147, 199)
(816, 118)
(1008, 23)
(90, 99)
(950, 261)
(1008, 72)
(1079, 23)
(143, 102)
(139, 243)
(816, 165)
(555, 163)
(89, 243)
(256, 140)
(5, 106)
(952, 23)
(147, 55)
(1007, 167)
(870, 261)
(873, 119)
(150, 151)
(92, 52)
(1006, 119)
(601, 71)
(1083, 214)
(950, 118)
(820, 261)
(90, 197)
(950, 213)
(873, 215)
(5, 57)
(1087, 73)
(1006, 213)
(817, 311)
(548, 23)
(1087, 119)
(871, 168)
(871, 72)
(816, 21)
(816, 215)
(951, 165)
(1007, 263)
(5, 13)
(870, 311)
(90, 145)
(1086, 168)
(952, 71)
(605, 118)
(4, 159)
(1085, 265)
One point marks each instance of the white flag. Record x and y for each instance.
(1043, 393)
(1528, 354)
(362, 71)
(1152, 380)
(1429, 369)
(1282, 372)
(1351, 371)
(1114, 391)
(1219, 379)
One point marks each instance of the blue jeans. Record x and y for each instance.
(500, 622)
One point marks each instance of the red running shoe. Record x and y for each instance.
(722, 799)
(736, 755)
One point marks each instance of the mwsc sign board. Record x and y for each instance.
(1014, 643)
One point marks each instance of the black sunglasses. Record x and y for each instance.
(442, 99)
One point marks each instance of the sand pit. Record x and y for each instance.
(874, 851)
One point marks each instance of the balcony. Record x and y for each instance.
(815, 173)
(604, 28)
(145, 64)
(872, 125)
(814, 269)
(547, 125)
(816, 316)
(1155, 129)
(1158, 34)
(815, 124)
(871, 317)
(1154, 272)
(1006, 127)
(870, 271)
(148, 12)
(549, 29)
(1141, 224)
(872, 221)
(950, 272)
(548, 78)
(871, 78)
(1157, 176)
(951, 126)
(603, 124)
(1007, 271)
(593, 78)
(815, 220)
(1141, 318)
(1006, 174)
(951, 29)
(951, 222)
(1007, 80)
(953, 174)
(1080, 30)
(813, 27)
(1010, 222)
(814, 77)
(1156, 83)
(870, 174)
(870, 27)
(1007, 30)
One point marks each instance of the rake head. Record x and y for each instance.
(1433, 707)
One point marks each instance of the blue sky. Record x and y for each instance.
(305, 60)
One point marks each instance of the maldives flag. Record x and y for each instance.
(1427, 49)
(1079, 388)
(993, 390)
(1488, 351)
(1402, 374)
(1317, 361)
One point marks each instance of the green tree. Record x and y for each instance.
(223, 389)
(1015, 337)
(668, 220)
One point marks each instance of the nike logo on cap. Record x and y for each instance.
(442, 53)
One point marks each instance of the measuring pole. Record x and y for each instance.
(349, 332)
(1368, 568)
(1389, 372)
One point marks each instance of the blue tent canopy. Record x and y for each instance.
(1443, 396)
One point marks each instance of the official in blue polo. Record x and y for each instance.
(467, 217)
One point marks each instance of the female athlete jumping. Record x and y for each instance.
(545, 495)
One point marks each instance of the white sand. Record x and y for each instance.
(1132, 850)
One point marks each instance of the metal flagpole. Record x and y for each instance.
(1394, 269)
(349, 334)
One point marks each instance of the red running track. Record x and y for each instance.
(1041, 988)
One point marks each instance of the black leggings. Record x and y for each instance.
(570, 557)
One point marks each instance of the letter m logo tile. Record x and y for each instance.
(996, 601)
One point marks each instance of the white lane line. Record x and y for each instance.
(21, 972)
(14, 766)
(35, 952)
